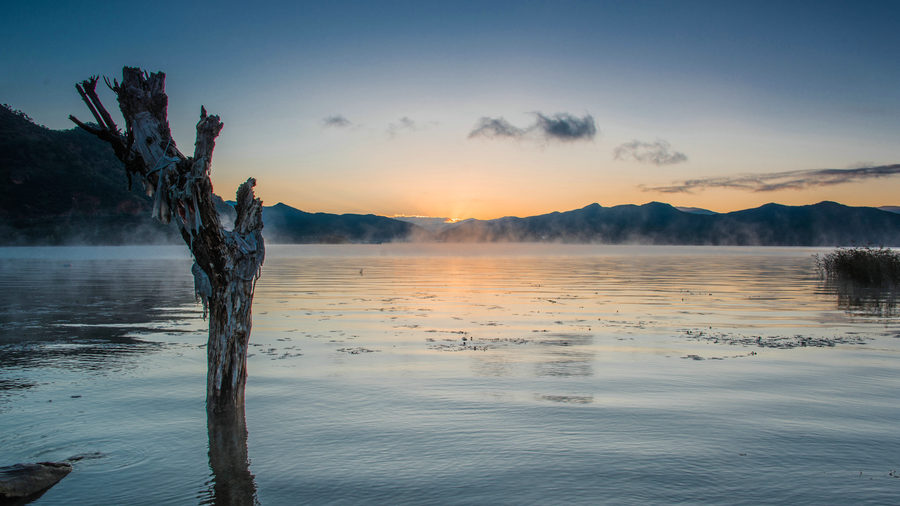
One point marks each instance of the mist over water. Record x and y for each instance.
(495, 373)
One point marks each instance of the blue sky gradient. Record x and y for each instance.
(736, 87)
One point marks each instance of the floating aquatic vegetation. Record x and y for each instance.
(698, 357)
(278, 353)
(778, 342)
(471, 344)
(568, 399)
(357, 350)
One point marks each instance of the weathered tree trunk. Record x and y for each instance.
(226, 262)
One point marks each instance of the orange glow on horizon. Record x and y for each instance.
(490, 198)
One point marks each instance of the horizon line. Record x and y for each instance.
(451, 220)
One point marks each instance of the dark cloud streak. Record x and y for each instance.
(336, 121)
(565, 127)
(775, 181)
(562, 127)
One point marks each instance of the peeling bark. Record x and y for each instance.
(226, 262)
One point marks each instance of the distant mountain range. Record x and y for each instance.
(284, 224)
(822, 224)
(695, 210)
(66, 187)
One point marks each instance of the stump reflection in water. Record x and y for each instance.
(231, 482)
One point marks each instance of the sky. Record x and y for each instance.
(492, 108)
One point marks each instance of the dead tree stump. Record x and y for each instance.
(226, 262)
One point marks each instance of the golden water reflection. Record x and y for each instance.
(541, 311)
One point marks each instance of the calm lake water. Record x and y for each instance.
(477, 374)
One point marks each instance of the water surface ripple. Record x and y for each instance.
(509, 374)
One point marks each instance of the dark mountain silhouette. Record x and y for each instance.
(284, 224)
(822, 224)
(66, 186)
(62, 187)
(695, 210)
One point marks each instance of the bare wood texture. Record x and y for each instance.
(226, 262)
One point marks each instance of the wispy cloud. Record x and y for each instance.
(403, 124)
(558, 127)
(336, 121)
(657, 153)
(407, 124)
(496, 127)
(774, 181)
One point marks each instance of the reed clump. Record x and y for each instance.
(864, 266)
